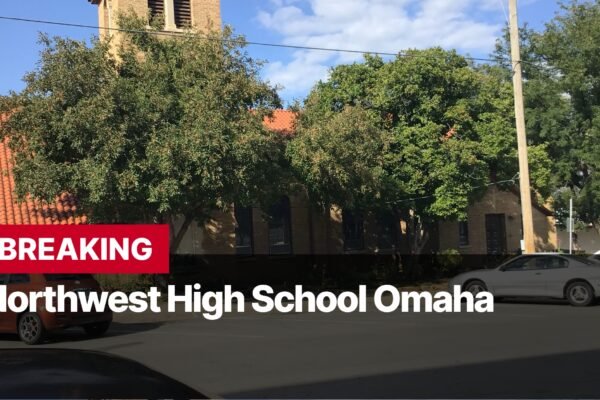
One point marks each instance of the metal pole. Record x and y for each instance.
(526, 206)
(571, 226)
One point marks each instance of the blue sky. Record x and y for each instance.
(377, 25)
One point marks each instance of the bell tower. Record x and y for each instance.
(178, 14)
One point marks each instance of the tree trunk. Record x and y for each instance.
(421, 238)
(419, 234)
(417, 237)
(178, 237)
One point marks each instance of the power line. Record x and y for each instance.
(503, 61)
(431, 196)
(504, 10)
(252, 43)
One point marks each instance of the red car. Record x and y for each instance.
(32, 327)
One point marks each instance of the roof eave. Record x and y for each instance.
(541, 208)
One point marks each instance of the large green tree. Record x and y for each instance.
(444, 128)
(562, 94)
(150, 130)
(341, 158)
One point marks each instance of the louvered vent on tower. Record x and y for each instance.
(157, 7)
(183, 13)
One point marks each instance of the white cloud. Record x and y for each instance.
(300, 74)
(374, 25)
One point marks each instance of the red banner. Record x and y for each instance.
(84, 249)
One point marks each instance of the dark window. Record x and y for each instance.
(280, 227)
(463, 233)
(533, 263)
(517, 264)
(18, 278)
(157, 7)
(551, 262)
(495, 232)
(183, 13)
(388, 231)
(3, 279)
(243, 230)
(354, 230)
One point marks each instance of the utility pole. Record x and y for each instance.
(571, 226)
(526, 209)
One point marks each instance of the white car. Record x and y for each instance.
(561, 276)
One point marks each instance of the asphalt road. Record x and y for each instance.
(522, 350)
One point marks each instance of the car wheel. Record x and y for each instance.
(475, 287)
(30, 328)
(580, 294)
(97, 329)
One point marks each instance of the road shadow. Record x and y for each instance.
(77, 334)
(572, 375)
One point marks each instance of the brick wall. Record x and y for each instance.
(206, 14)
(217, 236)
(498, 201)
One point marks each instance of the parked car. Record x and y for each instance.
(77, 374)
(560, 276)
(596, 256)
(32, 326)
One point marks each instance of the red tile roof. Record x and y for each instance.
(282, 121)
(64, 209)
(12, 212)
(450, 134)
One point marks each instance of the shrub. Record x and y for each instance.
(125, 283)
(449, 262)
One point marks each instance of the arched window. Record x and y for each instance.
(244, 235)
(280, 227)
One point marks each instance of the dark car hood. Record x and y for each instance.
(69, 374)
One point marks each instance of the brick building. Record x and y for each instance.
(494, 226)
(203, 15)
(291, 226)
(178, 14)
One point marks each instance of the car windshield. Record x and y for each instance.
(66, 277)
